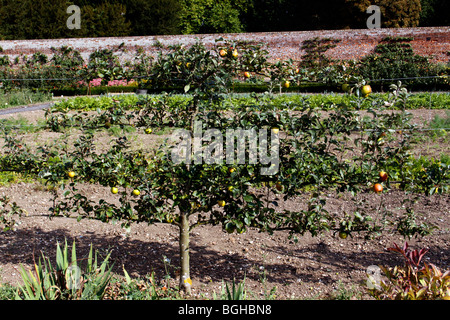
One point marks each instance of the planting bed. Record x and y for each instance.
(273, 266)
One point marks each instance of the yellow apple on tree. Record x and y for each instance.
(366, 90)
(345, 87)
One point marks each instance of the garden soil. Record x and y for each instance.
(273, 266)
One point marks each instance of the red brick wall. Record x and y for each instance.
(434, 42)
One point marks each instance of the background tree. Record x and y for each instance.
(395, 13)
(29, 19)
(153, 17)
(435, 13)
(209, 16)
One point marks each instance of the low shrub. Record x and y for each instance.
(412, 281)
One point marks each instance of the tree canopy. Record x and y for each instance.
(34, 19)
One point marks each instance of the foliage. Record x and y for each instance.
(103, 64)
(411, 281)
(314, 152)
(315, 49)
(154, 17)
(237, 291)
(207, 16)
(238, 101)
(147, 288)
(42, 19)
(8, 212)
(394, 13)
(180, 68)
(394, 58)
(22, 97)
(66, 281)
(434, 13)
(7, 292)
(28, 19)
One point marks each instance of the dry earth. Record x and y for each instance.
(313, 267)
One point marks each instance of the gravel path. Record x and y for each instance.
(32, 107)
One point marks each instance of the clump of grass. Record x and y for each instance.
(21, 125)
(7, 292)
(7, 178)
(344, 293)
(22, 97)
(441, 122)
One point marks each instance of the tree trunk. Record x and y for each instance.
(185, 280)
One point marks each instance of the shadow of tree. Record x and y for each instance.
(143, 257)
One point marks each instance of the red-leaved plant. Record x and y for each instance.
(412, 282)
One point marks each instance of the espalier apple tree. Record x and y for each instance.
(224, 168)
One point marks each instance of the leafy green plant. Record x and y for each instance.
(412, 281)
(7, 292)
(15, 98)
(146, 288)
(237, 291)
(344, 293)
(394, 58)
(66, 281)
(8, 213)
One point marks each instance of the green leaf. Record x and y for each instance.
(127, 276)
(74, 255)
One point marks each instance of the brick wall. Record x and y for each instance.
(433, 42)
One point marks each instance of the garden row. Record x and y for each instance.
(179, 68)
(425, 100)
(340, 150)
(305, 151)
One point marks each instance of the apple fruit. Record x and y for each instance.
(383, 175)
(366, 90)
(71, 174)
(345, 87)
(114, 190)
(378, 188)
(136, 192)
(221, 203)
(343, 235)
(279, 186)
(223, 53)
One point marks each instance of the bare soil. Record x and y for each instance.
(313, 267)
